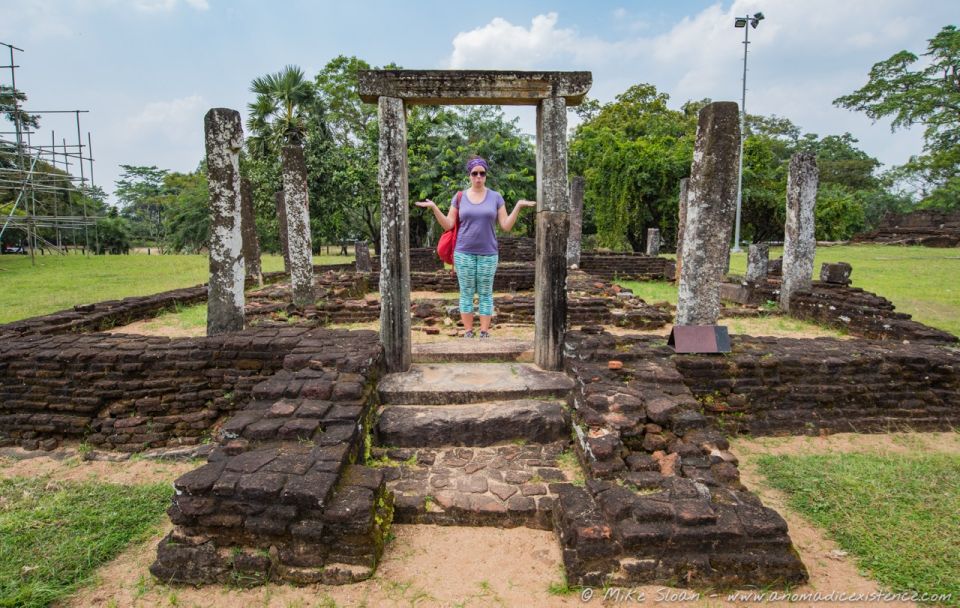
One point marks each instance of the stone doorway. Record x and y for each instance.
(551, 93)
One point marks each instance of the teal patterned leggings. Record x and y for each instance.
(475, 275)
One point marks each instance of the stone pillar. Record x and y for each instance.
(758, 257)
(553, 226)
(711, 203)
(299, 242)
(653, 241)
(577, 186)
(394, 236)
(282, 220)
(224, 138)
(681, 222)
(248, 228)
(799, 242)
(361, 251)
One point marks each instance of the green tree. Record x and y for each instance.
(632, 154)
(114, 234)
(188, 218)
(143, 197)
(284, 112)
(927, 94)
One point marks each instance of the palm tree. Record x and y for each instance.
(278, 118)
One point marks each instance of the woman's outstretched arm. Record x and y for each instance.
(507, 221)
(446, 221)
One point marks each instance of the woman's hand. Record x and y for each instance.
(526, 203)
(427, 204)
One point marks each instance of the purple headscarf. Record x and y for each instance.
(477, 162)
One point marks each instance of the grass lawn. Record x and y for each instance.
(53, 535)
(920, 281)
(899, 516)
(61, 282)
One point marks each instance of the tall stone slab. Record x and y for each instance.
(711, 204)
(681, 222)
(394, 235)
(577, 187)
(282, 221)
(758, 257)
(361, 252)
(299, 242)
(653, 241)
(224, 139)
(553, 225)
(799, 242)
(248, 229)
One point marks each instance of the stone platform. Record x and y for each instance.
(442, 384)
(505, 486)
(473, 350)
(473, 424)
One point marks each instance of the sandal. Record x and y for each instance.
(468, 334)
(484, 335)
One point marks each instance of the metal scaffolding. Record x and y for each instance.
(42, 180)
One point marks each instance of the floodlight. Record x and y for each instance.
(754, 21)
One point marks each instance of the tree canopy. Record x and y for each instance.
(914, 92)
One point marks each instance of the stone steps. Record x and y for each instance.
(504, 486)
(473, 424)
(473, 350)
(458, 383)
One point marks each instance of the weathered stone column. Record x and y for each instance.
(282, 220)
(394, 235)
(681, 222)
(298, 225)
(758, 256)
(553, 226)
(361, 251)
(711, 203)
(577, 186)
(653, 241)
(799, 242)
(248, 228)
(224, 138)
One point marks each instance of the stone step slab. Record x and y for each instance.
(456, 383)
(505, 486)
(463, 349)
(475, 424)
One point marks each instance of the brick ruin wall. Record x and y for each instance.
(783, 386)
(663, 499)
(130, 392)
(850, 309)
(930, 228)
(628, 266)
(282, 497)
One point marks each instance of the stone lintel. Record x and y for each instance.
(473, 87)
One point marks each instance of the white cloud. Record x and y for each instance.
(173, 121)
(500, 44)
(802, 56)
(165, 6)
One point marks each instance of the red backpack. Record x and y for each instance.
(448, 240)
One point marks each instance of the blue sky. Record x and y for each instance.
(148, 70)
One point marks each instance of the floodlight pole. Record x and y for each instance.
(743, 135)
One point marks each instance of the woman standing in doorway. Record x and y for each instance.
(476, 254)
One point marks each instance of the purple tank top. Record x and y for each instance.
(477, 220)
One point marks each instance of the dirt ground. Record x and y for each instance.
(453, 566)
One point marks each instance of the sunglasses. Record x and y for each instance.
(478, 173)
